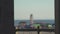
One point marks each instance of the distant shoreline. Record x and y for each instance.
(28, 21)
(39, 19)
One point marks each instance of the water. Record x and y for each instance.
(37, 21)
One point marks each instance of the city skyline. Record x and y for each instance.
(41, 9)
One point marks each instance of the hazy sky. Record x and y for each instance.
(41, 9)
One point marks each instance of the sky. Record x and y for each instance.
(41, 9)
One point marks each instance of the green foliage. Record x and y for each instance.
(47, 24)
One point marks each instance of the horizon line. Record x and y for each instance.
(36, 19)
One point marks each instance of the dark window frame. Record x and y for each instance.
(10, 16)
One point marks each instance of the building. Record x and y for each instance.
(22, 25)
(31, 19)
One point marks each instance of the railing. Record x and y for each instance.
(37, 30)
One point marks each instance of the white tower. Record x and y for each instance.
(31, 19)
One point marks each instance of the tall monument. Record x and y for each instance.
(31, 19)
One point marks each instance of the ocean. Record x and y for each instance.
(37, 21)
